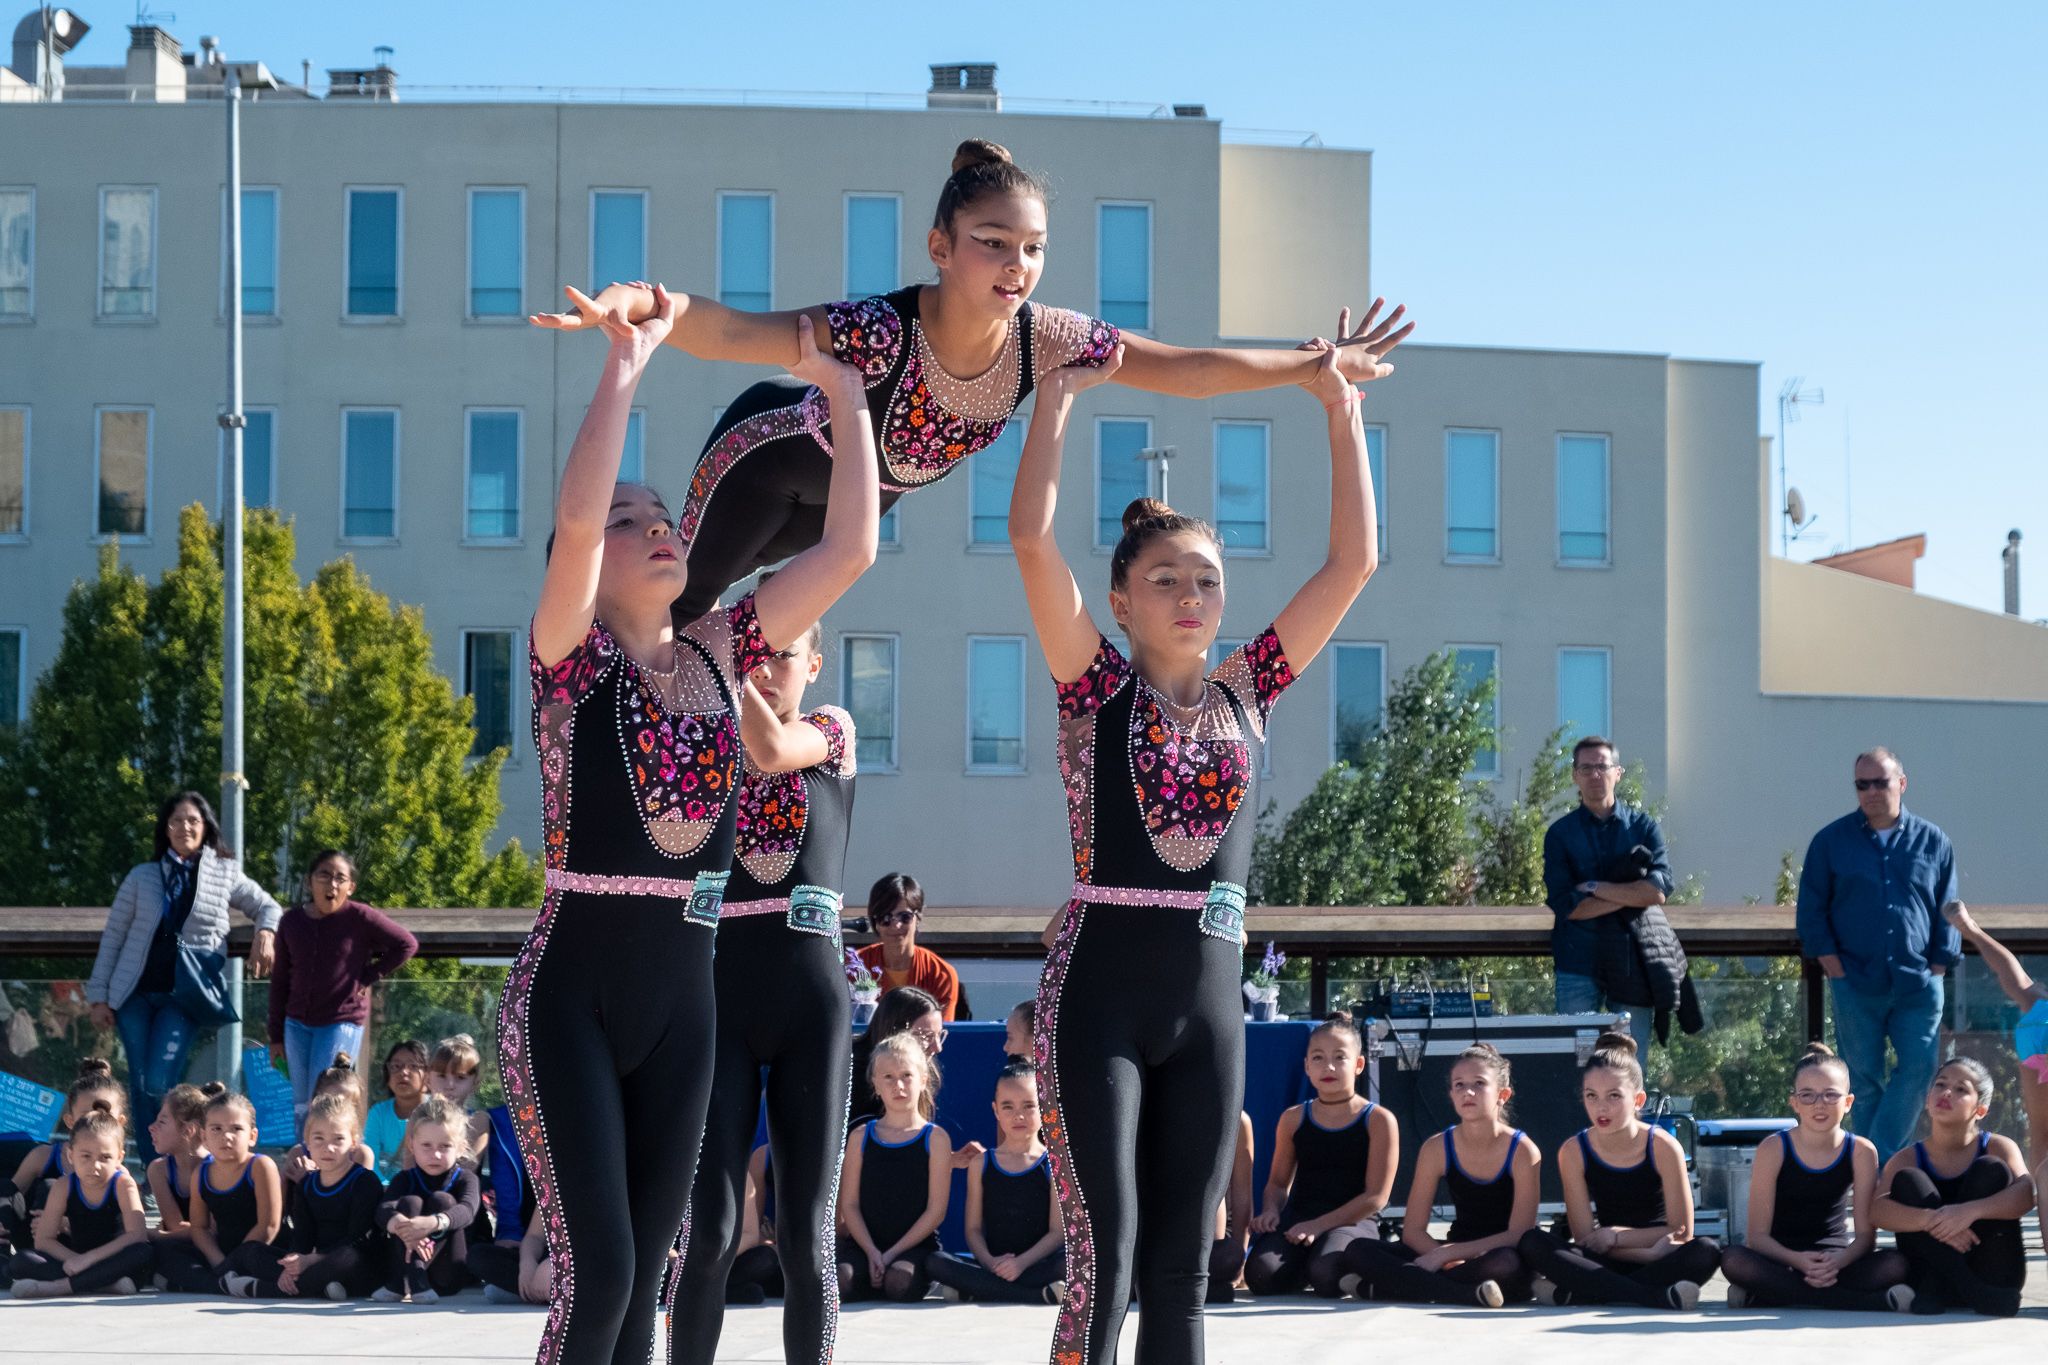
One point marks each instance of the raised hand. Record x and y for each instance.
(585, 312)
(822, 368)
(637, 342)
(1068, 380)
(1362, 354)
(1329, 386)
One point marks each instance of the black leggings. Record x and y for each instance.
(757, 1274)
(975, 1281)
(185, 1271)
(1226, 1262)
(601, 1041)
(1772, 1284)
(135, 1261)
(1584, 1278)
(1985, 1279)
(904, 1278)
(495, 1263)
(448, 1271)
(1387, 1270)
(356, 1272)
(798, 1031)
(769, 503)
(1142, 1082)
(1278, 1266)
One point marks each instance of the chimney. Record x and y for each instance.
(2012, 573)
(379, 82)
(40, 41)
(156, 65)
(964, 85)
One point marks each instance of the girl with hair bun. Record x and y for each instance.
(1627, 1198)
(45, 1163)
(945, 365)
(92, 1234)
(1140, 1038)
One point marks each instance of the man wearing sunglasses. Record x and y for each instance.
(895, 904)
(1870, 899)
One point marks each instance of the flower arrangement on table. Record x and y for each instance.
(1262, 985)
(863, 985)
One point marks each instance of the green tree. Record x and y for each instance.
(353, 738)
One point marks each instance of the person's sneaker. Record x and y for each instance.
(426, 1296)
(1546, 1292)
(497, 1293)
(1347, 1285)
(1684, 1296)
(159, 1283)
(383, 1293)
(1738, 1297)
(238, 1286)
(124, 1285)
(337, 1291)
(27, 1289)
(1487, 1294)
(951, 1295)
(1900, 1297)
(1056, 1292)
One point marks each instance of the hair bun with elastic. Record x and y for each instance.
(1615, 1042)
(1142, 510)
(978, 151)
(93, 1067)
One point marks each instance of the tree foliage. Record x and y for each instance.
(353, 739)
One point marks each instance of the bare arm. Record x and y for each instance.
(1239, 1195)
(1578, 1200)
(705, 328)
(1205, 372)
(1066, 632)
(2013, 979)
(1280, 1176)
(792, 601)
(1055, 1235)
(938, 1194)
(977, 1239)
(1644, 1244)
(1763, 1205)
(1593, 908)
(1429, 1173)
(568, 594)
(168, 1219)
(1306, 623)
(849, 1199)
(1528, 1178)
(269, 1201)
(772, 745)
(1629, 895)
(201, 1227)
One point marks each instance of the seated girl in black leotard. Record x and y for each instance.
(759, 490)
(429, 1207)
(43, 1167)
(1956, 1200)
(896, 1182)
(1477, 1262)
(178, 1134)
(1013, 1218)
(334, 1249)
(1333, 1171)
(92, 1236)
(1807, 1185)
(1627, 1198)
(341, 1078)
(238, 1197)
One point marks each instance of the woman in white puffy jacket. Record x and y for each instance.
(181, 895)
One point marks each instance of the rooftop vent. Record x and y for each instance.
(1191, 111)
(40, 41)
(964, 85)
(378, 82)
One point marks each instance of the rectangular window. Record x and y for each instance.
(1584, 693)
(374, 274)
(128, 252)
(633, 460)
(1241, 493)
(13, 473)
(1358, 698)
(874, 247)
(1123, 279)
(867, 685)
(369, 473)
(17, 255)
(491, 507)
(259, 459)
(618, 237)
(497, 253)
(995, 474)
(1478, 664)
(123, 471)
(1120, 475)
(746, 251)
(1376, 460)
(487, 681)
(13, 676)
(1472, 496)
(259, 253)
(887, 533)
(1582, 500)
(995, 703)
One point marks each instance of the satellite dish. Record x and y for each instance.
(1795, 507)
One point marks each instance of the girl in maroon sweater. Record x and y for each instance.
(330, 951)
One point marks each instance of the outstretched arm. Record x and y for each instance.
(1307, 621)
(1204, 372)
(1066, 632)
(792, 601)
(568, 595)
(704, 327)
(2013, 979)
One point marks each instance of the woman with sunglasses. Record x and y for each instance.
(779, 923)
(895, 904)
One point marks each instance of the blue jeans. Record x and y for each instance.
(1888, 1108)
(155, 1035)
(309, 1050)
(1578, 994)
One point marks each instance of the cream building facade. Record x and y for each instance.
(1588, 527)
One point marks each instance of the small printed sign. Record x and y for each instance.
(28, 1109)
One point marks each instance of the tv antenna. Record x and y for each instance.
(1790, 399)
(145, 17)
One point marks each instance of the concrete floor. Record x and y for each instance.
(468, 1332)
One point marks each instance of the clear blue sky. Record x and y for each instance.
(1852, 192)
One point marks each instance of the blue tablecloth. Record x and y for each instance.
(1273, 1080)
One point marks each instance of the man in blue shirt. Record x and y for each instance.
(1870, 901)
(1598, 831)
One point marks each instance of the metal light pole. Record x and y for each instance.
(1161, 456)
(232, 783)
(1789, 399)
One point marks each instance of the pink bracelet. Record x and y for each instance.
(1346, 401)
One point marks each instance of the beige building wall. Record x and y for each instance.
(1295, 229)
